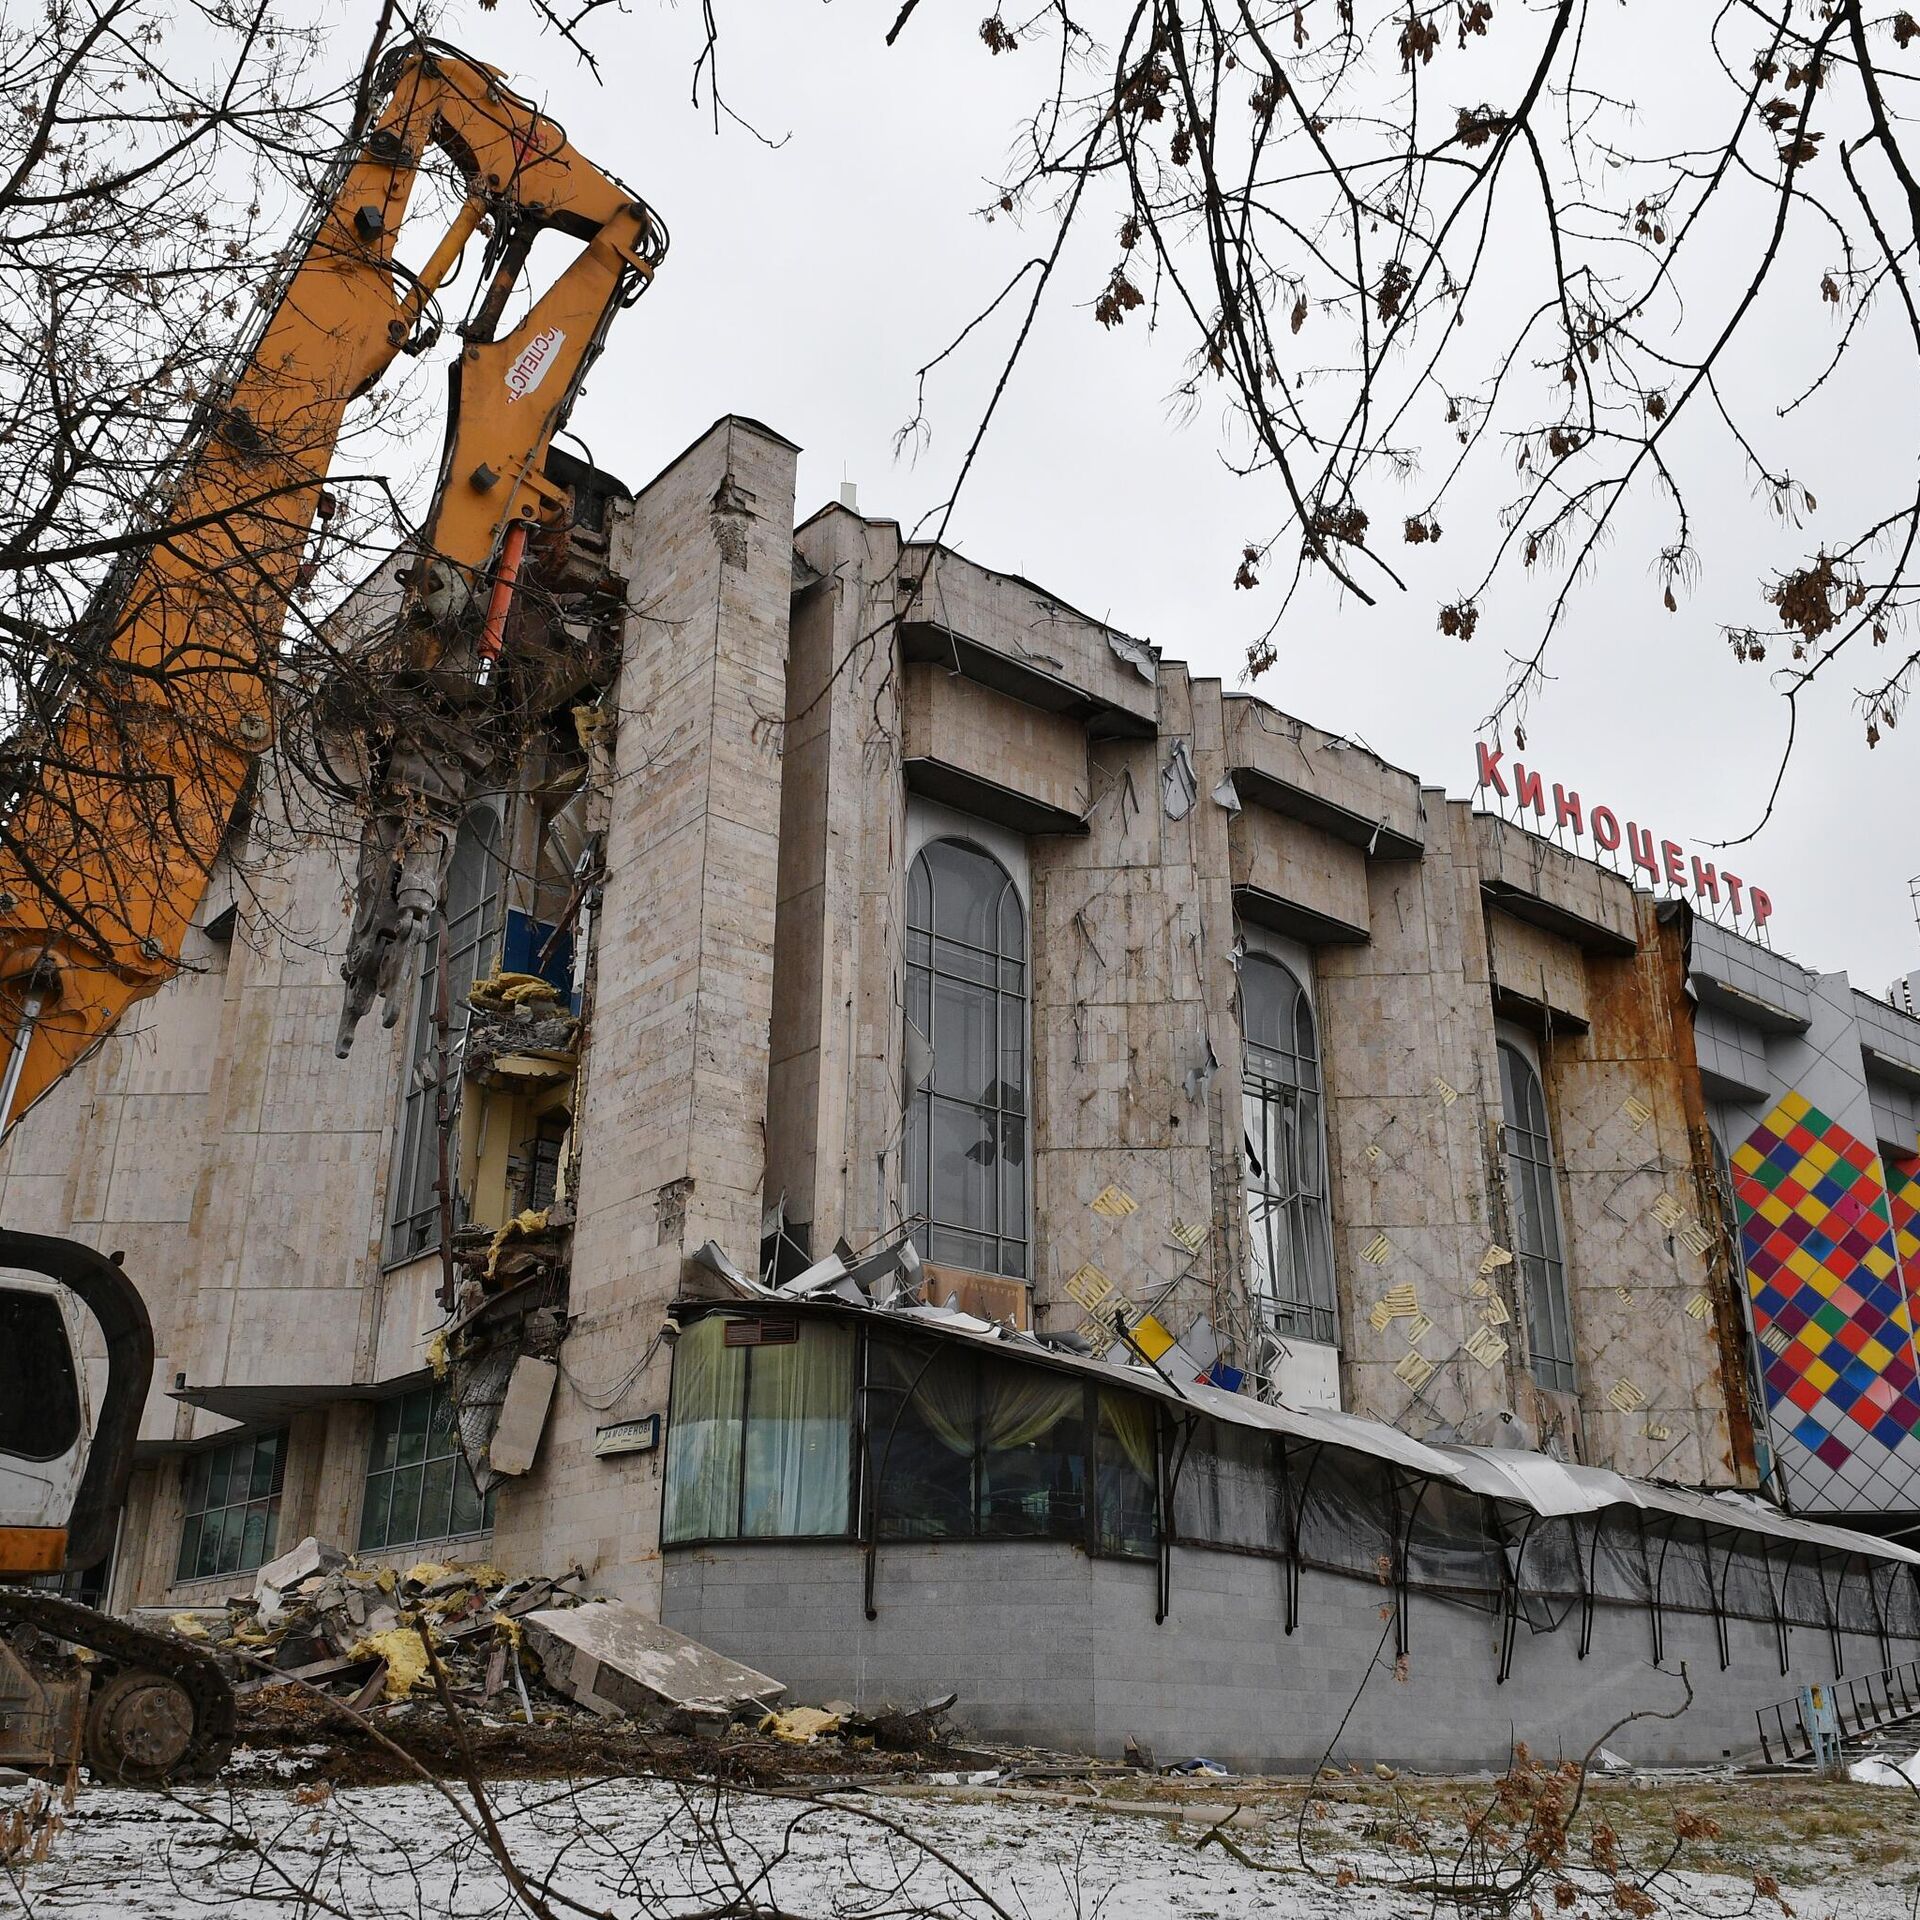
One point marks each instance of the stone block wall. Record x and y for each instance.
(1133, 994)
(1414, 1104)
(218, 1143)
(1049, 1647)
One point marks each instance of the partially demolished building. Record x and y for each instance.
(935, 1148)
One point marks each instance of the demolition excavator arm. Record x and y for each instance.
(146, 747)
(144, 737)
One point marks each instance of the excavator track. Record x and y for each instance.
(133, 1732)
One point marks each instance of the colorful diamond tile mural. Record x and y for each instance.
(1824, 1241)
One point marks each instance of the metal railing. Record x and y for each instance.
(1861, 1703)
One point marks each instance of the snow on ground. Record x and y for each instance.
(648, 1850)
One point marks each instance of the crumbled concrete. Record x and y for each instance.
(613, 1658)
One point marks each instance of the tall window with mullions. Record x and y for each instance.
(419, 1486)
(471, 930)
(1289, 1232)
(1536, 1221)
(231, 1500)
(967, 994)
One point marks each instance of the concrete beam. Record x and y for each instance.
(1317, 777)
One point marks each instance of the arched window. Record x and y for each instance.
(1536, 1221)
(967, 994)
(1288, 1228)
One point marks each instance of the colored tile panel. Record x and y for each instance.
(1831, 1244)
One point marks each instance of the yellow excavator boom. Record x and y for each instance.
(170, 700)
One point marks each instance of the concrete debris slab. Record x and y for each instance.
(296, 1564)
(523, 1415)
(611, 1657)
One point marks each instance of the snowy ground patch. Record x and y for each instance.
(655, 1850)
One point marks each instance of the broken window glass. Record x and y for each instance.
(470, 929)
(1289, 1231)
(967, 998)
(1551, 1563)
(1536, 1221)
(543, 1169)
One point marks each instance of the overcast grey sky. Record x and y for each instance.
(807, 283)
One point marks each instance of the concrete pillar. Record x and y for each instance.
(1413, 1089)
(833, 1099)
(673, 1099)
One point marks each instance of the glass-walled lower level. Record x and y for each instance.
(803, 1424)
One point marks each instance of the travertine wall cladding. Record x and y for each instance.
(1596, 904)
(1133, 991)
(845, 805)
(1535, 972)
(1415, 1104)
(216, 1140)
(1016, 751)
(672, 1112)
(1298, 877)
(1136, 1040)
(1038, 635)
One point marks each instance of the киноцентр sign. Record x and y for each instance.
(1665, 861)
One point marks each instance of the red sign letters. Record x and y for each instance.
(1665, 861)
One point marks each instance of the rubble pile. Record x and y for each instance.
(355, 1632)
(542, 1676)
(521, 1034)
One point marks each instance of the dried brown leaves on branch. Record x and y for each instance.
(1567, 269)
